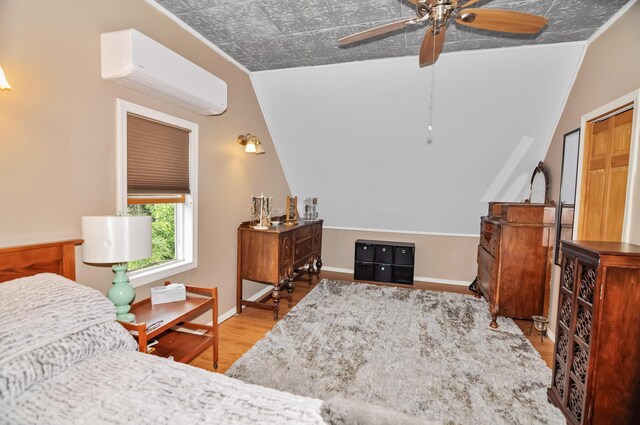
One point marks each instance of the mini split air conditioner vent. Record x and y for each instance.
(134, 60)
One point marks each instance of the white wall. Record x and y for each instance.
(355, 134)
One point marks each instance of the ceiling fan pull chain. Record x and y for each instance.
(433, 78)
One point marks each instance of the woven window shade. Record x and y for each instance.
(157, 158)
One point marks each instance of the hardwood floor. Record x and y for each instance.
(241, 331)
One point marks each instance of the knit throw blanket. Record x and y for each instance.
(40, 309)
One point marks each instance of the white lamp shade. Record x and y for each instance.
(111, 239)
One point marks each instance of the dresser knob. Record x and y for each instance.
(404, 251)
(382, 268)
(384, 249)
(364, 248)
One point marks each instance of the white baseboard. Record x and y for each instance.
(416, 278)
(442, 281)
(255, 297)
(226, 315)
(337, 269)
(551, 335)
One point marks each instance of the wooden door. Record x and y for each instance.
(604, 178)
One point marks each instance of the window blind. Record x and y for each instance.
(157, 158)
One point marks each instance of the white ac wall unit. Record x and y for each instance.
(134, 60)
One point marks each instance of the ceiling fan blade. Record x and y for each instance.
(469, 3)
(431, 46)
(502, 20)
(372, 32)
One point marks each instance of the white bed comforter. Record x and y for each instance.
(90, 373)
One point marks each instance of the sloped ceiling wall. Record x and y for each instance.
(355, 135)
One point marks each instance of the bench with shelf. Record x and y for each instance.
(159, 322)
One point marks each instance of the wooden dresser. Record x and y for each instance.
(596, 370)
(514, 260)
(272, 256)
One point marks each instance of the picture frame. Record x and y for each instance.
(292, 211)
(565, 207)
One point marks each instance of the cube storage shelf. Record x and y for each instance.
(384, 261)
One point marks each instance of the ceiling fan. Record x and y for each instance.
(438, 12)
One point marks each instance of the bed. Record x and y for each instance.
(64, 359)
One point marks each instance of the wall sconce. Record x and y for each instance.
(4, 84)
(251, 144)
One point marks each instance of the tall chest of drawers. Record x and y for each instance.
(596, 371)
(514, 259)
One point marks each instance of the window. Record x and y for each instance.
(163, 233)
(157, 176)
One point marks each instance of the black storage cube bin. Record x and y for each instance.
(384, 261)
(363, 271)
(403, 256)
(384, 254)
(383, 272)
(403, 274)
(365, 252)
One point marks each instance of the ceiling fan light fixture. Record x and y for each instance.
(468, 17)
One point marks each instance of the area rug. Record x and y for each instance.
(423, 353)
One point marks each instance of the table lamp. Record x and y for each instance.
(117, 240)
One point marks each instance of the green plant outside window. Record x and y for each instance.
(163, 233)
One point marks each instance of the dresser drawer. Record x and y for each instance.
(365, 252)
(302, 249)
(302, 233)
(383, 272)
(490, 237)
(384, 254)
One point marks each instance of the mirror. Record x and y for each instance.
(539, 189)
(568, 180)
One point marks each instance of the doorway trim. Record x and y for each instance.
(631, 224)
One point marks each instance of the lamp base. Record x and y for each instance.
(122, 293)
(126, 317)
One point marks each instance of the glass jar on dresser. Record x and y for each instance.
(596, 370)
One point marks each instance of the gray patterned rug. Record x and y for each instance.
(424, 353)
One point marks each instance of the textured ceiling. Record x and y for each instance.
(273, 34)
